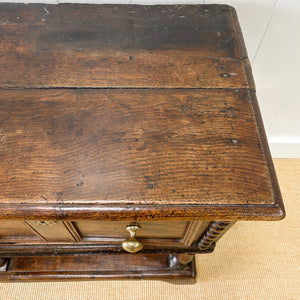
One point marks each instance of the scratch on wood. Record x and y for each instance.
(47, 12)
(4, 22)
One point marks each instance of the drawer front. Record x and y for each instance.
(13, 231)
(153, 234)
(117, 229)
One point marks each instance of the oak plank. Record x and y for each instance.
(137, 147)
(69, 45)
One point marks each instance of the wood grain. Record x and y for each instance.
(14, 228)
(178, 261)
(94, 246)
(118, 113)
(191, 232)
(151, 229)
(119, 46)
(125, 266)
(175, 147)
(200, 148)
(51, 231)
(131, 147)
(73, 230)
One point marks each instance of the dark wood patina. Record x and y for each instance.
(113, 114)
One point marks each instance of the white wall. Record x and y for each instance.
(272, 34)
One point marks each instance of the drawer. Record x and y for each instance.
(13, 231)
(153, 234)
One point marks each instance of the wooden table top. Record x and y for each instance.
(118, 112)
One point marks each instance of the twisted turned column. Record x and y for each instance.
(212, 234)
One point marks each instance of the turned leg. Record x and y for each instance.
(213, 233)
(180, 260)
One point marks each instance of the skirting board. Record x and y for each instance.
(285, 150)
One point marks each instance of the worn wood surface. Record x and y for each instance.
(97, 231)
(178, 261)
(71, 45)
(118, 113)
(51, 231)
(149, 229)
(13, 227)
(125, 113)
(93, 245)
(97, 266)
(147, 148)
(193, 231)
(132, 147)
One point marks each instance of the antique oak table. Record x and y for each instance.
(120, 121)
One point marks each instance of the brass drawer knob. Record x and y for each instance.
(132, 244)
